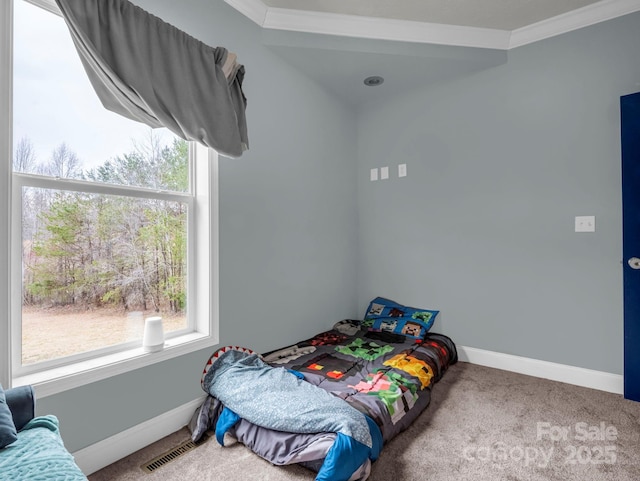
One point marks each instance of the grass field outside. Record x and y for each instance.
(52, 333)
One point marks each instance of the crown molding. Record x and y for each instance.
(434, 33)
(384, 29)
(574, 20)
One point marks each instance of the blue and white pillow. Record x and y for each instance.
(386, 315)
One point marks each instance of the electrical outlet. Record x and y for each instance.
(373, 176)
(384, 173)
(585, 223)
(402, 170)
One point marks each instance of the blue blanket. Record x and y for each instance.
(39, 453)
(274, 398)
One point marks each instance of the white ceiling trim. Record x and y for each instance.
(422, 32)
(580, 18)
(385, 29)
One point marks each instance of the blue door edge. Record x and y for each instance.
(630, 151)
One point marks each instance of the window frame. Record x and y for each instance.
(55, 376)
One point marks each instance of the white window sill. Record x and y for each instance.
(63, 378)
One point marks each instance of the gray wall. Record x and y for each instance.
(287, 230)
(500, 162)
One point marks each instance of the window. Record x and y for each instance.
(107, 217)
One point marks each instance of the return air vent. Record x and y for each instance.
(171, 455)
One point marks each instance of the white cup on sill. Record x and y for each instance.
(153, 338)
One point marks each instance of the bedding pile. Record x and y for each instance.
(329, 402)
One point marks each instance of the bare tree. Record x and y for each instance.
(24, 159)
(63, 163)
(149, 150)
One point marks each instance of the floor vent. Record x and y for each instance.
(171, 455)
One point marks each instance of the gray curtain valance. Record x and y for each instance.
(147, 70)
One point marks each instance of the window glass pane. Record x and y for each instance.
(61, 129)
(94, 266)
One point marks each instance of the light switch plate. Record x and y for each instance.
(384, 173)
(373, 175)
(402, 170)
(585, 223)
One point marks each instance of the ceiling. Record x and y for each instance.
(340, 64)
(495, 14)
(499, 24)
(339, 43)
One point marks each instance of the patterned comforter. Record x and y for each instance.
(384, 377)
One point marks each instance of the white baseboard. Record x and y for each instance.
(103, 453)
(578, 376)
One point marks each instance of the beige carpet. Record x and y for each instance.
(483, 425)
